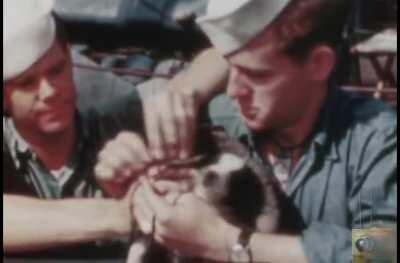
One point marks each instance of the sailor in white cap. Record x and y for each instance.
(49, 150)
(37, 26)
(325, 146)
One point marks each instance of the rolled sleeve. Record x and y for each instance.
(326, 243)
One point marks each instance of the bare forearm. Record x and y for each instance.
(32, 224)
(277, 248)
(264, 247)
(206, 76)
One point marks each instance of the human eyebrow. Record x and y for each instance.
(257, 73)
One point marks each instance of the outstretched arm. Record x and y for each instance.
(31, 224)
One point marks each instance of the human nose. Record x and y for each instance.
(236, 86)
(46, 90)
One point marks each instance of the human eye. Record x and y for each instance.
(259, 74)
(256, 74)
(58, 69)
(26, 82)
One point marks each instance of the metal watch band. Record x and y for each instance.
(244, 237)
(244, 242)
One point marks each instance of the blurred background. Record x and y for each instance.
(118, 44)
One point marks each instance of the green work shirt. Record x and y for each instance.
(347, 177)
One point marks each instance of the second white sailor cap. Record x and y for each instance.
(232, 24)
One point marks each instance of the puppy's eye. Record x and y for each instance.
(210, 178)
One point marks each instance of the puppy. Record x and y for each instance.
(244, 192)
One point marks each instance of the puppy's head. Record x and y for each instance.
(212, 181)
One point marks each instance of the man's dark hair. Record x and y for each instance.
(306, 23)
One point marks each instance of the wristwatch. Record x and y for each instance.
(240, 251)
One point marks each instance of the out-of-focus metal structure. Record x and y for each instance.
(130, 37)
(159, 24)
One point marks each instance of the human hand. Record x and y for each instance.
(189, 226)
(171, 116)
(121, 162)
(170, 121)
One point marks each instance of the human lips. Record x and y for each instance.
(48, 114)
(248, 111)
(51, 111)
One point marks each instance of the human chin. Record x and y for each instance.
(54, 124)
(52, 127)
(255, 126)
(255, 123)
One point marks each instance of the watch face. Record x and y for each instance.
(239, 254)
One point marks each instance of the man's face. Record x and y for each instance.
(271, 90)
(43, 97)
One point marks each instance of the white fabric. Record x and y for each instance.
(385, 41)
(232, 24)
(222, 8)
(28, 32)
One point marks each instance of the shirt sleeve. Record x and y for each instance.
(372, 200)
(326, 243)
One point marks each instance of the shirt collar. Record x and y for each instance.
(322, 133)
(15, 142)
(18, 145)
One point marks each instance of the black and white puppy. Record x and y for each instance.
(244, 192)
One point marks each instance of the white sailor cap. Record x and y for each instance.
(232, 24)
(28, 33)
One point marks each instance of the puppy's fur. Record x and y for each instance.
(244, 192)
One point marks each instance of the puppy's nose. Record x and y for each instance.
(210, 179)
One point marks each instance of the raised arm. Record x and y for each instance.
(206, 76)
(171, 115)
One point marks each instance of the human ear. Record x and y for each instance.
(320, 63)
